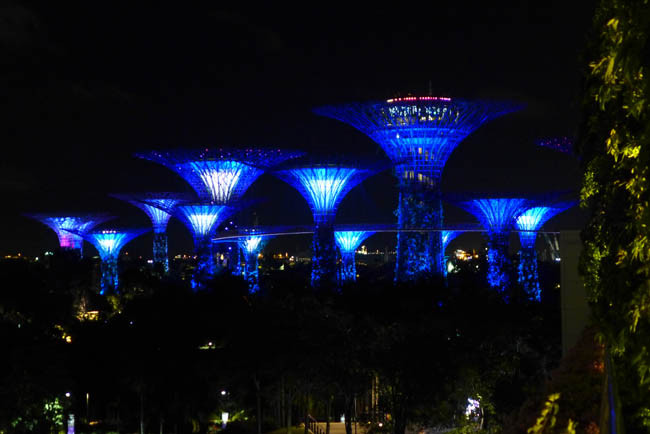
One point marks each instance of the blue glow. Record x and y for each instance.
(251, 246)
(109, 243)
(158, 211)
(561, 144)
(419, 255)
(202, 220)
(498, 217)
(528, 223)
(418, 134)
(158, 206)
(447, 237)
(322, 187)
(224, 180)
(220, 175)
(422, 130)
(348, 242)
(61, 225)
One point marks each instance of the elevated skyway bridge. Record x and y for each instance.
(275, 231)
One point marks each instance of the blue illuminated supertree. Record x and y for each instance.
(528, 223)
(447, 237)
(323, 186)
(155, 206)
(497, 216)
(348, 242)
(108, 244)
(61, 224)
(219, 175)
(251, 246)
(418, 134)
(202, 220)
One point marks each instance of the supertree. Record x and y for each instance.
(219, 175)
(528, 223)
(108, 244)
(251, 246)
(497, 216)
(323, 185)
(154, 205)
(202, 220)
(560, 144)
(348, 242)
(62, 224)
(418, 134)
(447, 237)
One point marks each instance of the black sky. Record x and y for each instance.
(87, 84)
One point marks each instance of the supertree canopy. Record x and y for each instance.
(497, 216)
(155, 206)
(560, 144)
(202, 220)
(418, 134)
(62, 224)
(528, 223)
(220, 175)
(323, 186)
(348, 242)
(109, 243)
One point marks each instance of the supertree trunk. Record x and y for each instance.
(251, 272)
(497, 260)
(109, 282)
(205, 265)
(527, 274)
(419, 254)
(160, 250)
(323, 266)
(348, 271)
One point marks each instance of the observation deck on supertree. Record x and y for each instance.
(324, 185)
(61, 224)
(154, 205)
(497, 216)
(528, 223)
(220, 175)
(202, 220)
(348, 242)
(109, 243)
(418, 134)
(560, 144)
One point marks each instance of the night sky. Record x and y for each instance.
(85, 86)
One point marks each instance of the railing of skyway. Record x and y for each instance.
(301, 230)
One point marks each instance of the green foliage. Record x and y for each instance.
(577, 385)
(615, 148)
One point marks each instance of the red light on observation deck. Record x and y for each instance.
(418, 98)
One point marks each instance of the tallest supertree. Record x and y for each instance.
(418, 134)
